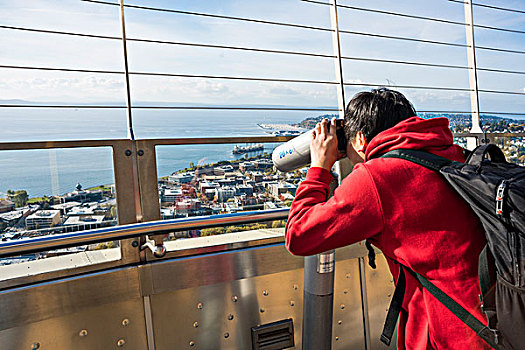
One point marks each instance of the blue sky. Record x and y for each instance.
(32, 49)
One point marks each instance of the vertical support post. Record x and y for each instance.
(473, 75)
(318, 302)
(336, 44)
(342, 167)
(131, 135)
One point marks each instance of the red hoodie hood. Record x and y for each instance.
(431, 135)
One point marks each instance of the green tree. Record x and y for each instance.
(19, 197)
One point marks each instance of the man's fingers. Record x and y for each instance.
(324, 127)
(332, 127)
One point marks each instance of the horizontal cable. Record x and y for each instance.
(500, 29)
(404, 38)
(499, 50)
(502, 113)
(75, 70)
(446, 112)
(397, 14)
(501, 92)
(500, 70)
(153, 41)
(425, 18)
(343, 57)
(488, 6)
(306, 109)
(364, 59)
(429, 41)
(177, 75)
(404, 62)
(246, 79)
(226, 77)
(410, 87)
(45, 31)
(469, 112)
(202, 14)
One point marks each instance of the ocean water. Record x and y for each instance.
(57, 171)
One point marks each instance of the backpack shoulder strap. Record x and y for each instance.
(486, 333)
(426, 159)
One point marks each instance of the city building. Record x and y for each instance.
(171, 195)
(181, 178)
(43, 219)
(280, 188)
(246, 166)
(224, 193)
(244, 189)
(6, 205)
(82, 196)
(84, 222)
(222, 170)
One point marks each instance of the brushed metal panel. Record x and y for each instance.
(379, 288)
(218, 268)
(97, 327)
(220, 316)
(35, 303)
(348, 329)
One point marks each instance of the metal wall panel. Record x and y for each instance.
(54, 299)
(220, 316)
(110, 326)
(348, 329)
(93, 311)
(379, 290)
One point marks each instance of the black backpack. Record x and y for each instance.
(495, 190)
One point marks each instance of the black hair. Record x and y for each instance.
(372, 112)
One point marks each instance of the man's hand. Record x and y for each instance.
(323, 147)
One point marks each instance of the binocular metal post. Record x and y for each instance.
(318, 302)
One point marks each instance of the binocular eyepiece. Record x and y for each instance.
(295, 153)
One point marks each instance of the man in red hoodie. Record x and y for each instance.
(404, 209)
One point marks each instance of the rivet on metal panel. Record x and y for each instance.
(347, 275)
(135, 244)
(339, 322)
(226, 335)
(192, 343)
(389, 295)
(292, 303)
(200, 306)
(295, 286)
(345, 291)
(140, 152)
(82, 333)
(35, 346)
(230, 317)
(261, 310)
(195, 324)
(234, 298)
(342, 306)
(127, 152)
(265, 293)
(336, 338)
(121, 343)
(125, 322)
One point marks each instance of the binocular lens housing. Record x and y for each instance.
(295, 153)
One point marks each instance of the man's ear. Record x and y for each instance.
(360, 142)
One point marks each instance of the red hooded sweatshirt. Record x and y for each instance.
(414, 217)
